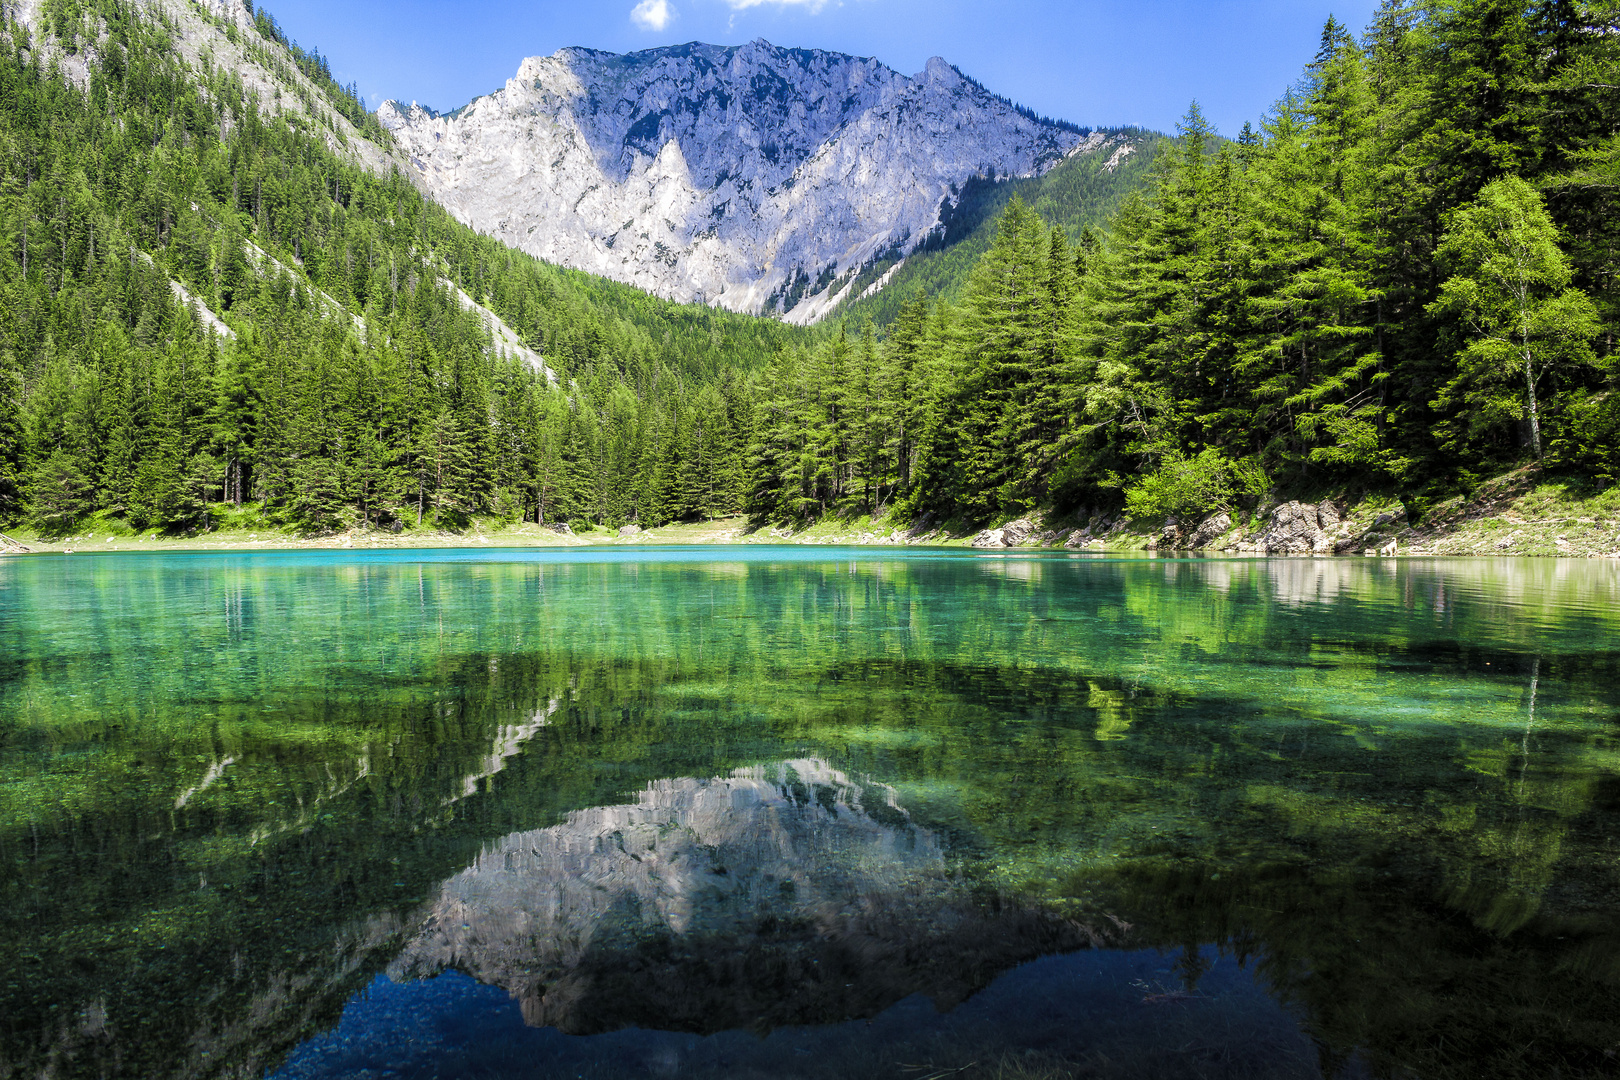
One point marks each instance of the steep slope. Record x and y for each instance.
(1083, 192)
(753, 178)
(221, 35)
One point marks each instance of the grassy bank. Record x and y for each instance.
(1520, 513)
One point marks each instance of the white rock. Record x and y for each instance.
(754, 178)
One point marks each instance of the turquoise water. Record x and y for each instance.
(807, 812)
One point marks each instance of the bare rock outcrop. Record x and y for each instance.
(1210, 530)
(755, 178)
(1017, 532)
(1295, 528)
(1011, 534)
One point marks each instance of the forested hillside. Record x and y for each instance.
(1079, 195)
(347, 382)
(1404, 279)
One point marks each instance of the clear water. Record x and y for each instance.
(807, 812)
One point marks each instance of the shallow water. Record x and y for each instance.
(807, 812)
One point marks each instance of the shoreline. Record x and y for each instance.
(1516, 515)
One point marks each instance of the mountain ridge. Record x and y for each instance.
(755, 178)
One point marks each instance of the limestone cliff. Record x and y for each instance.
(757, 178)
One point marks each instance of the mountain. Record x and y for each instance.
(1082, 192)
(755, 178)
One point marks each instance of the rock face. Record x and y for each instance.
(756, 178)
(1009, 535)
(1017, 532)
(1297, 529)
(778, 895)
(1210, 530)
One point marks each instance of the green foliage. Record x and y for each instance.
(1192, 485)
(1511, 291)
(1081, 193)
(354, 385)
(1404, 277)
(1327, 298)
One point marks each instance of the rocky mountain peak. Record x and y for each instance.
(754, 177)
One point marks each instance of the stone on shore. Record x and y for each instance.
(1210, 530)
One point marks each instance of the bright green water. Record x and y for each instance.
(1369, 809)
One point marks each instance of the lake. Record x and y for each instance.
(807, 812)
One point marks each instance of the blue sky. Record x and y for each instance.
(1095, 62)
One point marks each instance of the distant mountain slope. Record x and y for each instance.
(1082, 192)
(754, 178)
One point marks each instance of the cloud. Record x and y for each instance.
(813, 6)
(652, 14)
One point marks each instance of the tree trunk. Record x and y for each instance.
(1535, 419)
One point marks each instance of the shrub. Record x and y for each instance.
(1193, 485)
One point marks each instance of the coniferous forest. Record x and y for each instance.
(1402, 279)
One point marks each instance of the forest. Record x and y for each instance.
(1402, 279)
(353, 387)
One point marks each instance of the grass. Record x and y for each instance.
(1524, 512)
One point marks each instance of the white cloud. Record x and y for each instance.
(813, 6)
(652, 14)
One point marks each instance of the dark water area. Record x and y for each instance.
(801, 812)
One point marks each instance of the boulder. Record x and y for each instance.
(1293, 530)
(1392, 517)
(990, 538)
(1327, 515)
(1210, 530)
(1016, 532)
(561, 528)
(630, 530)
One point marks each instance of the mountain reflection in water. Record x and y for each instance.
(778, 895)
